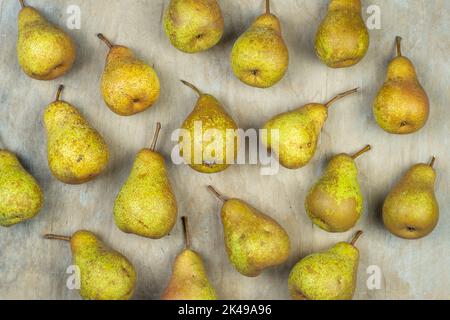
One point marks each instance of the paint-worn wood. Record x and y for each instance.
(31, 267)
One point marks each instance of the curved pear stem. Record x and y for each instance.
(105, 40)
(187, 238)
(362, 151)
(356, 237)
(155, 137)
(267, 6)
(217, 194)
(190, 85)
(398, 41)
(433, 161)
(340, 96)
(22, 3)
(57, 237)
(58, 93)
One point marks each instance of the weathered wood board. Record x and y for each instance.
(33, 268)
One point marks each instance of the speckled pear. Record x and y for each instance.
(329, 275)
(45, 52)
(193, 25)
(21, 197)
(411, 210)
(402, 105)
(293, 136)
(76, 152)
(129, 86)
(342, 39)
(335, 202)
(260, 57)
(146, 205)
(189, 280)
(105, 274)
(209, 143)
(253, 240)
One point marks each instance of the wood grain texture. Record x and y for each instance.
(33, 268)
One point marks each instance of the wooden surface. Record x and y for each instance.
(33, 268)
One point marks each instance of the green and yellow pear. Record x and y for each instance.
(329, 275)
(146, 205)
(402, 105)
(105, 274)
(411, 210)
(335, 202)
(293, 136)
(76, 152)
(45, 52)
(21, 197)
(189, 280)
(128, 85)
(208, 139)
(260, 56)
(253, 240)
(342, 39)
(193, 25)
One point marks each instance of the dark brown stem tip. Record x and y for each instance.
(340, 96)
(187, 238)
(22, 3)
(356, 237)
(58, 93)
(105, 40)
(267, 6)
(217, 194)
(190, 85)
(433, 161)
(56, 237)
(155, 136)
(362, 151)
(398, 41)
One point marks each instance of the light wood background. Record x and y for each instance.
(33, 268)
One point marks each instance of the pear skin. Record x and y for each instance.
(76, 152)
(253, 240)
(411, 210)
(298, 132)
(105, 273)
(329, 275)
(146, 205)
(260, 57)
(402, 105)
(21, 197)
(189, 280)
(129, 86)
(342, 39)
(193, 25)
(45, 52)
(213, 154)
(335, 202)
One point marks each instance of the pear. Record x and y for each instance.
(45, 52)
(329, 275)
(342, 39)
(76, 151)
(128, 85)
(335, 202)
(411, 210)
(297, 132)
(105, 274)
(214, 153)
(146, 205)
(21, 197)
(253, 240)
(260, 56)
(189, 280)
(193, 25)
(402, 105)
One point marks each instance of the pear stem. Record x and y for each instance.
(105, 40)
(217, 194)
(22, 3)
(362, 151)
(56, 237)
(398, 41)
(340, 96)
(155, 137)
(190, 85)
(267, 6)
(433, 161)
(187, 238)
(58, 93)
(356, 237)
